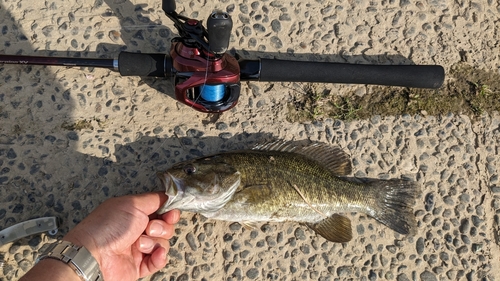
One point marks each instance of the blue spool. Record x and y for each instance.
(212, 93)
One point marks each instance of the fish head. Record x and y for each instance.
(202, 185)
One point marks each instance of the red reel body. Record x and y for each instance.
(195, 69)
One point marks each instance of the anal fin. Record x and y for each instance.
(336, 228)
(249, 225)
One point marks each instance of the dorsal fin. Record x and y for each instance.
(331, 157)
(277, 145)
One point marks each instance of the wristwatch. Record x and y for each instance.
(77, 257)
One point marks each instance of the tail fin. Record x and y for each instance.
(394, 204)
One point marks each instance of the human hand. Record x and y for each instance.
(126, 237)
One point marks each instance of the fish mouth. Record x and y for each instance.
(173, 189)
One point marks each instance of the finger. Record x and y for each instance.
(172, 217)
(149, 202)
(146, 244)
(154, 262)
(159, 258)
(160, 229)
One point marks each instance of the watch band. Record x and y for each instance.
(77, 257)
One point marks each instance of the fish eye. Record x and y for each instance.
(189, 169)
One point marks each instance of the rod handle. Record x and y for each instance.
(139, 64)
(415, 76)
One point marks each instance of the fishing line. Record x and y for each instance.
(202, 88)
(195, 101)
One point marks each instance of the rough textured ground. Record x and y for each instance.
(72, 137)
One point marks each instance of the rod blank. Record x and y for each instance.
(58, 61)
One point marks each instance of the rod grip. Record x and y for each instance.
(139, 64)
(415, 76)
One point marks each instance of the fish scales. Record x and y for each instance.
(267, 193)
(279, 182)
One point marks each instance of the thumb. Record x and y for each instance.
(149, 202)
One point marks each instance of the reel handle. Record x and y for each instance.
(219, 25)
(168, 6)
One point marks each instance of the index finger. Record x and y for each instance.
(172, 216)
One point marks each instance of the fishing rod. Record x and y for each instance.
(207, 78)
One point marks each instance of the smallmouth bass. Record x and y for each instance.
(278, 182)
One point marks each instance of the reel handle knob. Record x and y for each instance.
(219, 25)
(168, 6)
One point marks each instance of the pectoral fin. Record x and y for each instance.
(252, 193)
(336, 228)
